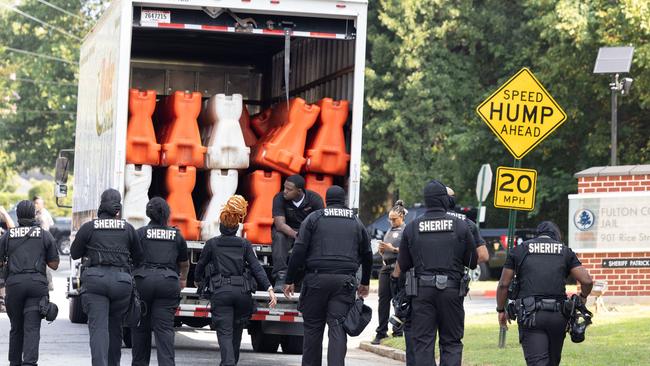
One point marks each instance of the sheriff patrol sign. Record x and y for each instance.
(521, 113)
(515, 188)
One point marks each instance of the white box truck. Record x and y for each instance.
(248, 47)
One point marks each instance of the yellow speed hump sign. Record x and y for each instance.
(515, 188)
(521, 113)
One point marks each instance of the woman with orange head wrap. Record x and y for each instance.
(224, 267)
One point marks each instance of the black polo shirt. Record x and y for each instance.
(295, 215)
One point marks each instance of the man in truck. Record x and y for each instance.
(290, 208)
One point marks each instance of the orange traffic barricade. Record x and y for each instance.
(180, 181)
(262, 187)
(327, 153)
(181, 140)
(245, 122)
(261, 122)
(141, 145)
(284, 150)
(318, 183)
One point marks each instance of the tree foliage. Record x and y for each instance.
(38, 77)
(431, 62)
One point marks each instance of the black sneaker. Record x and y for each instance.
(398, 334)
(378, 339)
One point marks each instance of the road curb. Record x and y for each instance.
(385, 351)
(483, 293)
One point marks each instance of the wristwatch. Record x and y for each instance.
(501, 310)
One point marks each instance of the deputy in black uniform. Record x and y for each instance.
(108, 244)
(290, 208)
(389, 248)
(28, 249)
(225, 266)
(438, 246)
(482, 254)
(331, 244)
(541, 266)
(160, 277)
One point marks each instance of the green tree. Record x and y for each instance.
(432, 62)
(38, 76)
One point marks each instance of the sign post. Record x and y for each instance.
(483, 186)
(522, 114)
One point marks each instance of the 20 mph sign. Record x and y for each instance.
(521, 113)
(515, 188)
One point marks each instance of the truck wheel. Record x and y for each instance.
(76, 313)
(292, 344)
(64, 247)
(262, 342)
(126, 337)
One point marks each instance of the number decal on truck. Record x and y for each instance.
(148, 17)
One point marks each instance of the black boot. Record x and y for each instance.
(378, 339)
(279, 282)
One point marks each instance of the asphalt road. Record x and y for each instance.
(66, 344)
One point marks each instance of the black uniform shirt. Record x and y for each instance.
(250, 258)
(323, 242)
(472, 226)
(542, 265)
(425, 229)
(295, 215)
(29, 249)
(112, 234)
(153, 236)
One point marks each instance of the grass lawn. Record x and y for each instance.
(616, 338)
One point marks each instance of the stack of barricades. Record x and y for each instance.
(262, 187)
(227, 152)
(327, 155)
(142, 152)
(282, 149)
(180, 181)
(182, 152)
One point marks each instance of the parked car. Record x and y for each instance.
(496, 239)
(61, 232)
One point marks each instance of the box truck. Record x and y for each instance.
(269, 51)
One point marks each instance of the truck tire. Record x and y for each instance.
(126, 337)
(262, 342)
(292, 344)
(76, 313)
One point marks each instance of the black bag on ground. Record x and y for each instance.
(357, 318)
(136, 311)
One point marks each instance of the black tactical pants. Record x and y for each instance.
(160, 290)
(105, 298)
(24, 291)
(437, 311)
(385, 297)
(231, 309)
(280, 248)
(410, 347)
(325, 298)
(543, 343)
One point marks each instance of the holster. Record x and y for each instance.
(463, 289)
(411, 285)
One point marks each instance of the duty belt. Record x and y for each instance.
(233, 280)
(438, 281)
(332, 271)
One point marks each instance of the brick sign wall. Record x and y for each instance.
(626, 267)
